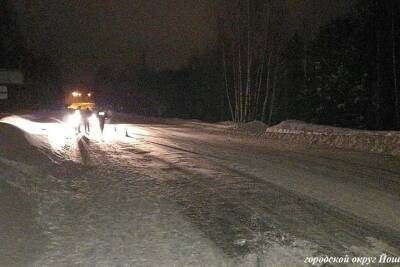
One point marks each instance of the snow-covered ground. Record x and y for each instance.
(187, 193)
(384, 142)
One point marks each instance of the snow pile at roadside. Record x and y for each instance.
(32, 142)
(298, 132)
(15, 146)
(2, 115)
(118, 117)
(253, 127)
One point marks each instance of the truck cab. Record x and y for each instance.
(80, 100)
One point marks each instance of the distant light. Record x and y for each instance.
(89, 94)
(76, 94)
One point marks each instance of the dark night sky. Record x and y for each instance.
(81, 35)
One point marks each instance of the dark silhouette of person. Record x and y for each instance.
(102, 119)
(85, 116)
(80, 120)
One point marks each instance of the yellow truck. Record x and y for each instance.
(80, 100)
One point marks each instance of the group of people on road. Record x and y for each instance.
(86, 114)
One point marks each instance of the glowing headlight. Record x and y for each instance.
(74, 119)
(93, 119)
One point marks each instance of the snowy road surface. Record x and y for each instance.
(187, 194)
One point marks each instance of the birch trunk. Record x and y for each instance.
(226, 83)
(264, 109)
(260, 79)
(271, 107)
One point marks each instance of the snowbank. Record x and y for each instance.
(119, 117)
(2, 115)
(385, 142)
(15, 146)
(253, 127)
(33, 142)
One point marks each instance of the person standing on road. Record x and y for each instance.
(102, 119)
(86, 115)
(78, 127)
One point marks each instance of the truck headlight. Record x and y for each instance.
(74, 119)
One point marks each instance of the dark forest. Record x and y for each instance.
(343, 72)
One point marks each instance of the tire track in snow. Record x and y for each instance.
(352, 233)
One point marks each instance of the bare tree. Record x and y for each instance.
(256, 31)
(226, 85)
(251, 28)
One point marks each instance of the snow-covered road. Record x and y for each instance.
(192, 194)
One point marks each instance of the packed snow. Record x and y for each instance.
(187, 193)
(385, 142)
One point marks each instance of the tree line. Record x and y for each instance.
(325, 62)
(342, 72)
(321, 61)
(194, 91)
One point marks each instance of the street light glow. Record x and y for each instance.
(76, 94)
